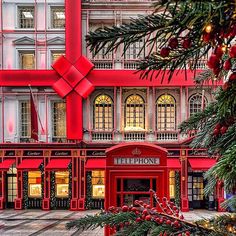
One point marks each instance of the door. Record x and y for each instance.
(11, 187)
(130, 189)
(196, 190)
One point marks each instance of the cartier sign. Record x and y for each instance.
(136, 161)
(33, 153)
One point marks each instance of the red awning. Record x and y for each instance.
(201, 163)
(96, 163)
(173, 163)
(6, 164)
(58, 164)
(30, 164)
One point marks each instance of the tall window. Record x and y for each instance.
(172, 183)
(98, 184)
(58, 17)
(55, 55)
(25, 119)
(133, 51)
(103, 113)
(26, 17)
(27, 60)
(34, 184)
(134, 113)
(62, 184)
(196, 103)
(59, 119)
(165, 112)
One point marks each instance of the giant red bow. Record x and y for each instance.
(73, 77)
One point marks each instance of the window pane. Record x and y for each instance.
(196, 103)
(26, 17)
(58, 17)
(27, 60)
(56, 55)
(59, 119)
(25, 119)
(98, 184)
(62, 183)
(134, 113)
(165, 112)
(103, 113)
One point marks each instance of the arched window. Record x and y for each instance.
(103, 112)
(165, 112)
(196, 103)
(134, 113)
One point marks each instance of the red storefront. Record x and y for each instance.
(86, 178)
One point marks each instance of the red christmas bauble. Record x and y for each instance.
(187, 233)
(125, 208)
(232, 51)
(148, 217)
(225, 86)
(173, 43)
(216, 132)
(206, 37)
(165, 52)
(136, 202)
(164, 199)
(218, 126)
(219, 52)
(181, 217)
(186, 43)
(134, 209)
(227, 64)
(111, 208)
(213, 61)
(223, 129)
(232, 77)
(145, 211)
(138, 219)
(168, 222)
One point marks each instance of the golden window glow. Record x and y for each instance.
(195, 104)
(166, 112)
(98, 184)
(27, 61)
(56, 55)
(25, 119)
(103, 113)
(34, 184)
(134, 113)
(62, 183)
(172, 183)
(59, 119)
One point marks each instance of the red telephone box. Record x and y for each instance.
(132, 170)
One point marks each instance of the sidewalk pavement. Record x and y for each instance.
(52, 223)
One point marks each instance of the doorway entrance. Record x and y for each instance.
(11, 187)
(129, 189)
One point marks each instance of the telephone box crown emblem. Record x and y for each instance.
(136, 152)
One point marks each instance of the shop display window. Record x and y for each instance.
(172, 183)
(98, 184)
(62, 184)
(34, 184)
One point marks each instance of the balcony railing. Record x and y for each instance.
(101, 136)
(131, 64)
(166, 136)
(103, 64)
(134, 136)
